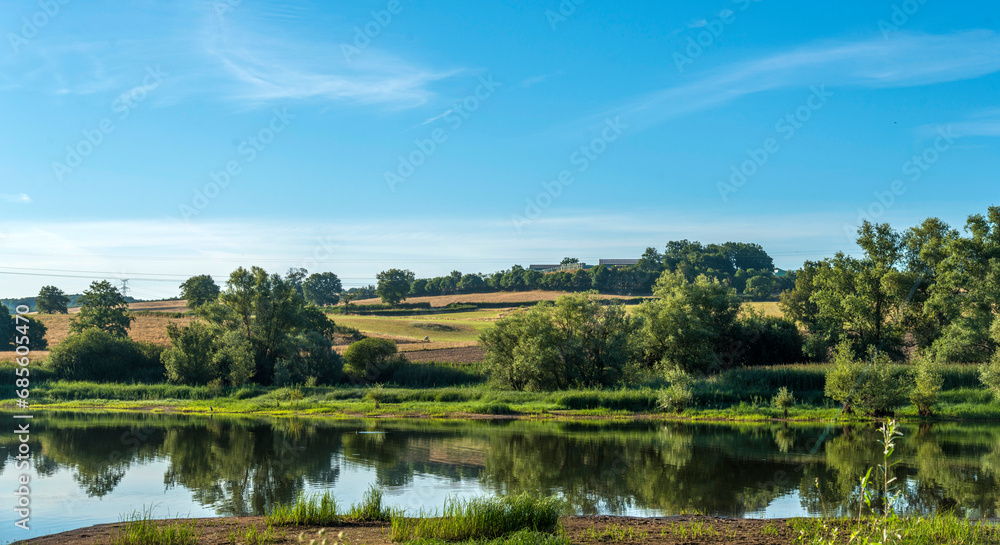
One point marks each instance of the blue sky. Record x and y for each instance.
(436, 137)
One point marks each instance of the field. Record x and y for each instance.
(496, 297)
(451, 335)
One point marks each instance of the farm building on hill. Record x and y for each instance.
(617, 262)
(542, 268)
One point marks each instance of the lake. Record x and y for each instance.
(90, 468)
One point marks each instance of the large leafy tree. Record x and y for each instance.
(394, 285)
(103, 307)
(200, 290)
(690, 325)
(866, 300)
(52, 300)
(322, 289)
(266, 311)
(296, 277)
(578, 342)
(966, 296)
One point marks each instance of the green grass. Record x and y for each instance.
(139, 528)
(615, 532)
(910, 530)
(311, 510)
(370, 509)
(481, 518)
(456, 327)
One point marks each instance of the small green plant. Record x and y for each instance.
(615, 532)
(783, 400)
(139, 528)
(376, 394)
(318, 509)
(481, 518)
(370, 509)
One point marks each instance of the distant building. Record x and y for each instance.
(618, 262)
(541, 268)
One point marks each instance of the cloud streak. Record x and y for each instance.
(19, 198)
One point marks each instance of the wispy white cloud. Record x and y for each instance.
(19, 198)
(535, 80)
(439, 116)
(905, 61)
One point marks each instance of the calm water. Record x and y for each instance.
(89, 468)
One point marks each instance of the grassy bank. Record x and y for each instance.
(450, 390)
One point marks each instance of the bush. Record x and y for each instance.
(783, 400)
(766, 340)
(678, 394)
(874, 388)
(576, 343)
(371, 359)
(312, 359)
(100, 356)
(989, 374)
(927, 385)
(10, 334)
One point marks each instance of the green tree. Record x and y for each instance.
(690, 325)
(199, 290)
(873, 387)
(189, 360)
(759, 287)
(103, 307)
(865, 301)
(393, 285)
(569, 261)
(295, 277)
(51, 300)
(322, 289)
(265, 310)
(371, 359)
(578, 342)
(97, 355)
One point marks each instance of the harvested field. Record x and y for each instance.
(145, 328)
(468, 354)
(496, 297)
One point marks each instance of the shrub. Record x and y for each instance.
(576, 343)
(189, 359)
(371, 359)
(765, 340)
(874, 388)
(783, 400)
(989, 374)
(927, 385)
(311, 356)
(104, 357)
(678, 394)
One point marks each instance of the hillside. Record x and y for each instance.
(495, 297)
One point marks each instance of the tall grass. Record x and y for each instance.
(481, 518)
(370, 509)
(139, 528)
(909, 530)
(314, 510)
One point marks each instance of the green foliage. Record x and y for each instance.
(927, 384)
(989, 374)
(482, 518)
(764, 340)
(783, 400)
(690, 325)
(313, 510)
(200, 290)
(98, 355)
(371, 359)
(873, 387)
(103, 307)
(21, 330)
(370, 509)
(51, 300)
(322, 289)
(140, 528)
(394, 285)
(575, 343)
(678, 394)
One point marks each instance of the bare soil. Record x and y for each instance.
(589, 530)
(468, 354)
